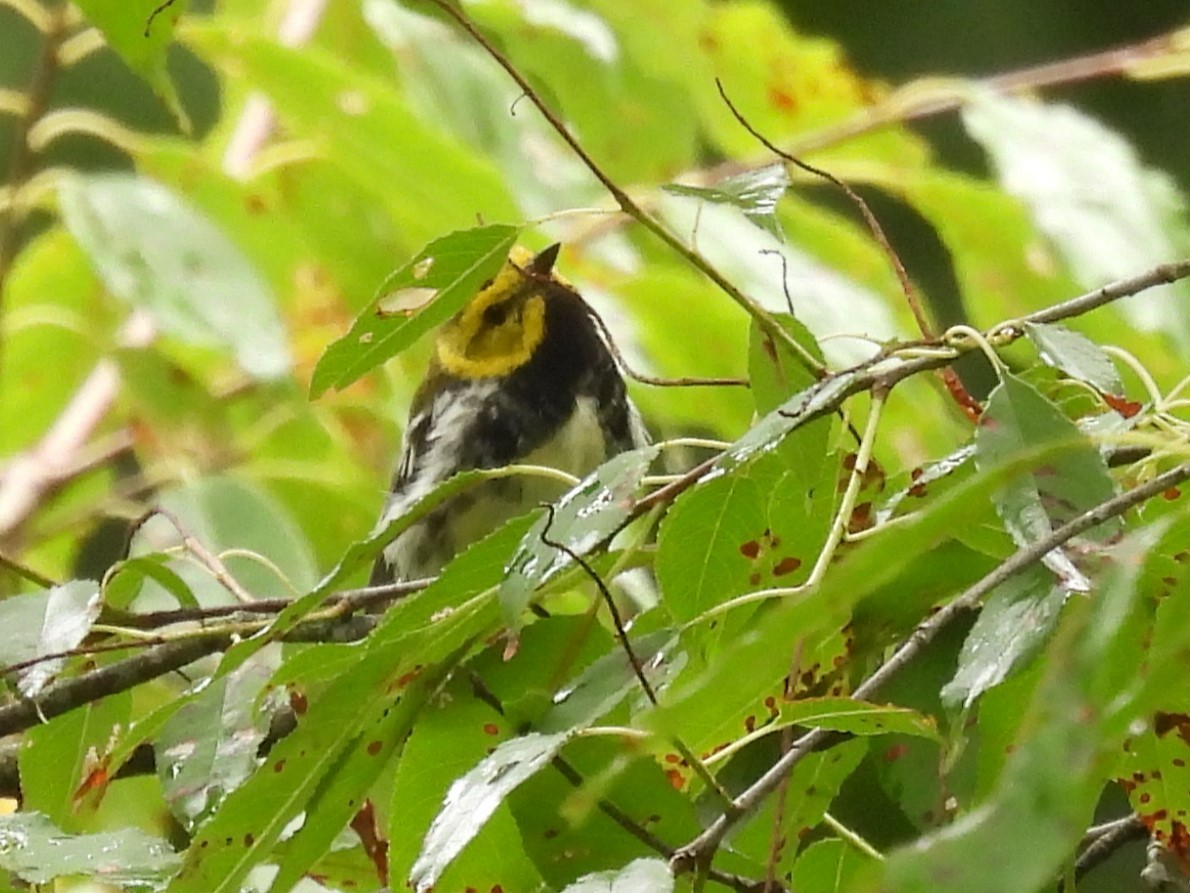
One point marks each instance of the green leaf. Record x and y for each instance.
(754, 192)
(828, 866)
(813, 785)
(141, 32)
(32, 848)
(452, 268)
(208, 747)
(65, 763)
(128, 576)
(1076, 355)
(1083, 706)
(42, 623)
(1019, 419)
(248, 823)
(473, 798)
(857, 717)
(589, 513)
(155, 251)
(1016, 621)
(774, 373)
(343, 794)
(1087, 190)
(638, 876)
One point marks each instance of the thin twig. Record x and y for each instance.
(208, 558)
(703, 846)
(688, 755)
(28, 573)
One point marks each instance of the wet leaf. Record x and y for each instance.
(584, 517)
(1076, 355)
(755, 192)
(47, 622)
(208, 747)
(35, 850)
(154, 250)
(473, 798)
(1019, 419)
(639, 876)
(456, 266)
(1017, 619)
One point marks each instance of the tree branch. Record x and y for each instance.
(700, 850)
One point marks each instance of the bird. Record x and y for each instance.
(521, 374)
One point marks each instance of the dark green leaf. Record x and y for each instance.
(452, 269)
(1017, 420)
(155, 251)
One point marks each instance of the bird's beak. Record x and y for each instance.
(543, 263)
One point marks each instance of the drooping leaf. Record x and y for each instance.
(755, 193)
(1017, 619)
(451, 270)
(155, 251)
(208, 747)
(473, 798)
(35, 850)
(589, 513)
(1018, 418)
(44, 623)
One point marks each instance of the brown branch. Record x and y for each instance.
(703, 847)
(157, 661)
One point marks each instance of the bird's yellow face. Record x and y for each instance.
(503, 324)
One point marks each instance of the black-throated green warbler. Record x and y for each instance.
(519, 375)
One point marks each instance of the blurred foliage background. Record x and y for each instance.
(179, 246)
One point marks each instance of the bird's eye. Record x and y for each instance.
(495, 315)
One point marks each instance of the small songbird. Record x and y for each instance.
(520, 375)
